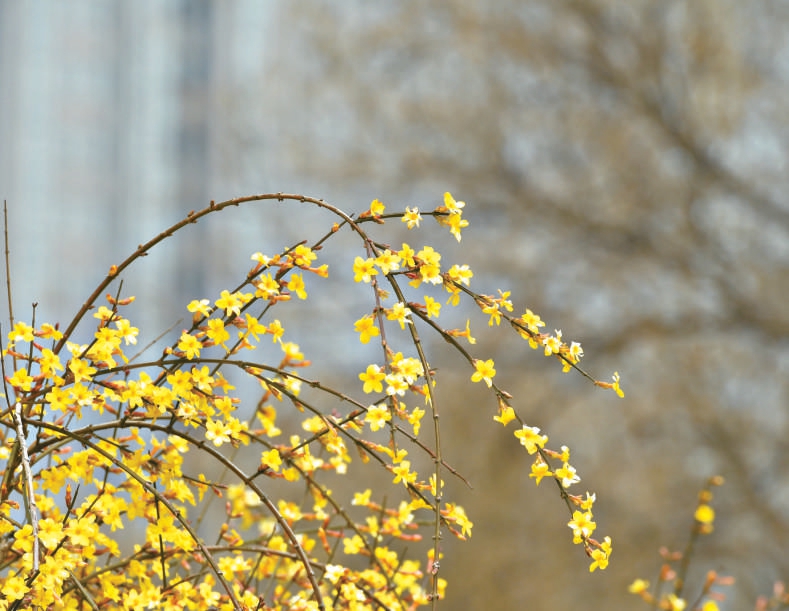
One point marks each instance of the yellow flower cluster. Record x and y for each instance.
(424, 266)
(110, 434)
(582, 522)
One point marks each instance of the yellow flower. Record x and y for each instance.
(403, 473)
(217, 332)
(532, 321)
(50, 532)
(407, 255)
(432, 307)
(377, 416)
(254, 327)
(415, 419)
(302, 255)
(539, 470)
(430, 269)
(261, 258)
(586, 504)
(127, 332)
(638, 586)
(457, 514)
(366, 328)
(362, 498)
(50, 332)
(567, 474)
(553, 343)
(266, 287)
(290, 511)
(21, 332)
(531, 439)
(466, 333)
(411, 217)
(400, 313)
(396, 384)
(189, 345)
(454, 294)
(364, 269)
(434, 488)
(600, 556)
(408, 367)
(506, 415)
(620, 393)
(492, 310)
(377, 208)
(276, 329)
(484, 371)
(613, 386)
(353, 545)
(456, 223)
(334, 572)
(461, 274)
(296, 285)
(451, 205)
(82, 531)
(271, 459)
(388, 261)
(14, 588)
(21, 380)
(216, 432)
(81, 370)
(704, 514)
(200, 307)
(582, 525)
(372, 379)
(232, 304)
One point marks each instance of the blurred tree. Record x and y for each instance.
(627, 159)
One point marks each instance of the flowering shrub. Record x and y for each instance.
(97, 442)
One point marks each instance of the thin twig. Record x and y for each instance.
(30, 499)
(8, 270)
(7, 264)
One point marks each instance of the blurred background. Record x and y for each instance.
(625, 168)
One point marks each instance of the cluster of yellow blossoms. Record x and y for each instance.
(94, 442)
(424, 266)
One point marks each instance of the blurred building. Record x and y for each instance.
(109, 123)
